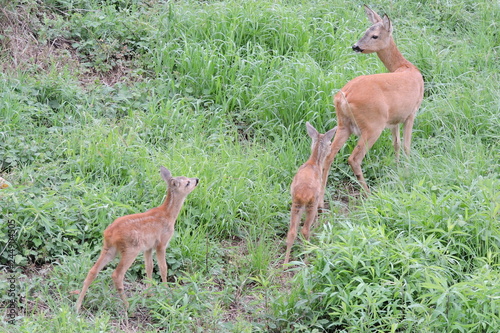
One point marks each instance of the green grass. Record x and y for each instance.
(96, 95)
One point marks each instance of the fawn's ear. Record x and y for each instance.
(372, 16)
(165, 174)
(311, 131)
(329, 135)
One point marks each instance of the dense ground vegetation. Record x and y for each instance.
(95, 95)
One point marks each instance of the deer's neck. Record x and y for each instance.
(392, 58)
(172, 205)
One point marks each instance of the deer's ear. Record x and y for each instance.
(165, 174)
(372, 16)
(173, 182)
(329, 135)
(387, 23)
(311, 131)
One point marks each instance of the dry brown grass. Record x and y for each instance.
(23, 51)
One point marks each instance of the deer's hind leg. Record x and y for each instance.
(407, 129)
(396, 140)
(366, 141)
(339, 140)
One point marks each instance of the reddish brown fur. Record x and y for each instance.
(132, 234)
(369, 103)
(306, 186)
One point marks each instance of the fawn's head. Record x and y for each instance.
(321, 143)
(179, 185)
(378, 36)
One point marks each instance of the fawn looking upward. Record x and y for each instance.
(132, 234)
(369, 103)
(306, 186)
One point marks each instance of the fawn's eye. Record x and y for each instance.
(374, 36)
(189, 182)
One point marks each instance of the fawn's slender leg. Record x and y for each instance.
(148, 261)
(160, 254)
(295, 215)
(311, 215)
(162, 262)
(119, 273)
(107, 254)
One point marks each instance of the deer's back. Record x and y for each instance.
(388, 98)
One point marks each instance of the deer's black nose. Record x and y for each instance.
(357, 48)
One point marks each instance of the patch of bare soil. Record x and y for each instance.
(250, 301)
(21, 49)
(21, 46)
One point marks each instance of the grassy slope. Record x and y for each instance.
(221, 91)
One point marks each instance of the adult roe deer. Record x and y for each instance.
(306, 186)
(132, 234)
(369, 103)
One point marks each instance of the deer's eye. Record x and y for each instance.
(374, 36)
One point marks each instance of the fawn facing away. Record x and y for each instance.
(369, 103)
(306, 186)
(132, 234)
